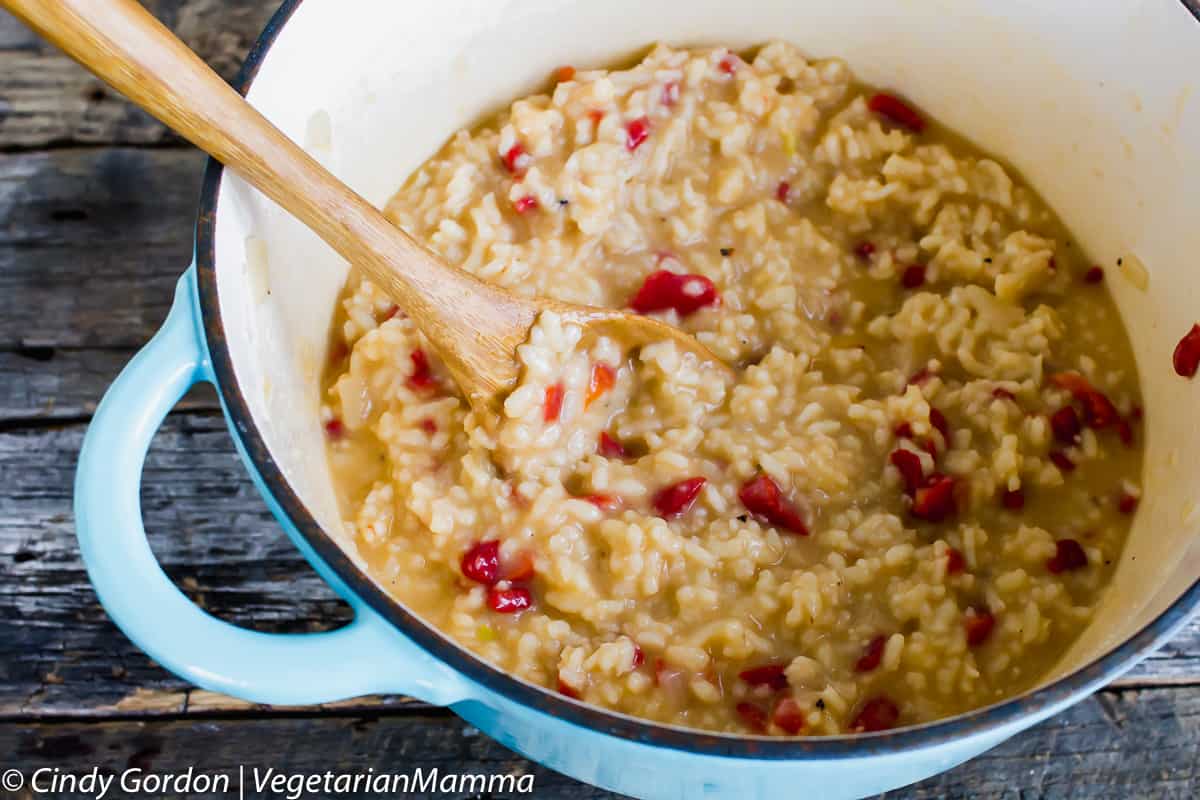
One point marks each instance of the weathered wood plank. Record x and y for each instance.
(209, 527)
(91, 244)
(46, 99)
(1117, 745)
(44, 385)
(59, 654)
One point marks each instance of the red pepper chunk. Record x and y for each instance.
(1094, 275)
(664, 290)
(567, 690)
(639, 656)
(762, 497)
(636, 132)
(1062, 461)
(604, 502)
(897, 111)
(509, 601)
(783, 191)
(610, 447)
(1187, 353)
(565, 73)
(677, 498)
(955, 561)
(978, 624)
(753, 715)
(909, 465)
(517, 161)
(1068, 556)
(1098, 410)
(482, 562)
(1125, 432)
(1013, 500)
(1065, 424)
(728, 64)
(1127, 503)
(770, 675)
(935, 501)
(335, 429)
(877, 714)
(913, 276)
(920, 376)
(602, 379)
(670, 93)
(864, 251)
(422, 376)
(524, 205)
(788, 716)
(872, 655)
(938, 420)
(552, 403)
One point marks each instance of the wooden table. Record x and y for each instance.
(96, 217)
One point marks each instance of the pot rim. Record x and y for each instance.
(1034, 703)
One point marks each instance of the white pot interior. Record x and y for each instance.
(1096, 102)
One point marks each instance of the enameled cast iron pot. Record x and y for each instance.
(1096, 101)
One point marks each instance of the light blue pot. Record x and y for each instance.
(387, 650)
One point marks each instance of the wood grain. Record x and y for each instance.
(92, 243)
(46, 100)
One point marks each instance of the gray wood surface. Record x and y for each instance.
(96, 214)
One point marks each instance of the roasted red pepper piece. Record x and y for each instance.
(896, 110)
(602, 379)
(677, 498)
(872, 654)
(772, 675)
(788, 716)
(509, 601)
(753, 715)
(1068, 556)
(610, 447)
(421, 376)
(935, 501)
(978, 623)
(552, 402)
(1065, 424)
(762, 497)
(482, 562)
(909, 464)
(877, 714)
(1013, 500)
(1187, 353)
(636, 132)
(517, 160)
(664, 290)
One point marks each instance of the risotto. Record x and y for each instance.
(903, 504)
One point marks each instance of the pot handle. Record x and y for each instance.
(366, 656)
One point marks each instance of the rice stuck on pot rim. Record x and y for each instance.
(907, 502)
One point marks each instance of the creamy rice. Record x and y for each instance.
(906, 503)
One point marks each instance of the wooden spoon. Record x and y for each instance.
(474, 327)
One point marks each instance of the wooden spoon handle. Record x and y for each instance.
(129, 49)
